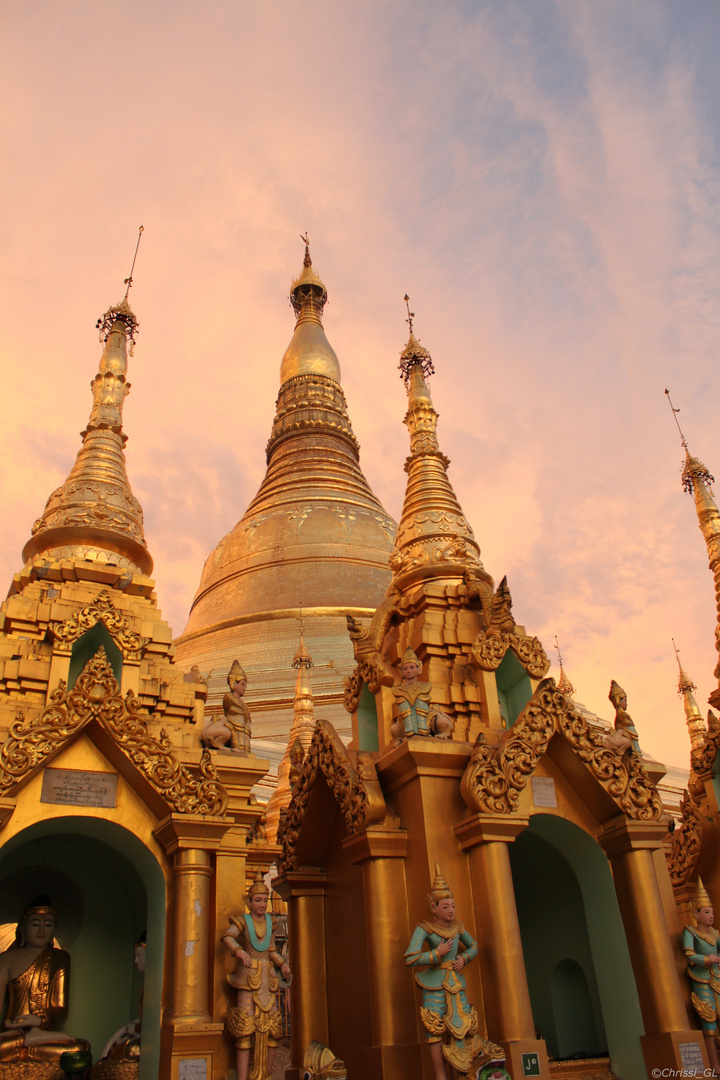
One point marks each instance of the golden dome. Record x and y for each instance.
(315, 539)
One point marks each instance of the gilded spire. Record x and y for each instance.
(696, 479)
(94, 514)
(564, 683)
(298, 740)
(434, 538)
(697, 727)
(309, 352)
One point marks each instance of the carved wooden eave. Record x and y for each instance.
(101, 610)
(490, 646)
(686, 842)
(355, 789)
(495, 776)
(686, 845)
(96, 706)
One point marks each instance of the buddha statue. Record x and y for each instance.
(233, 731)
(34, 978)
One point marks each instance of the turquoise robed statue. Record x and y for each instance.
(438, 951)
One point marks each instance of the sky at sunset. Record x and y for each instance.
(541, 176)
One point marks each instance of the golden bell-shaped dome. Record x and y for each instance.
(314, 539)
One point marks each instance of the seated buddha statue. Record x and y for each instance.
(34, 979)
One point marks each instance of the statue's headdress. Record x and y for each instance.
(616, 692)
(321, 1063)
(41, 905)
(440, 889)
(410, 657)
(235, 674)
(258, 886)
(701, 898)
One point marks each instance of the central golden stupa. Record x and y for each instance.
(313, 545)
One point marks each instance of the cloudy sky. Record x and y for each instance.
(542, 176)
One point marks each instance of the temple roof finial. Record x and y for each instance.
(564, 683)
(697, 728)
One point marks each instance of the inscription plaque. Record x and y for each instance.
(75, 787)
(193, 1069)
(543, 791)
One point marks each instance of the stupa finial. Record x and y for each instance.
(564, 683)
(122, 312)
(308, 294)
(94, 514)
(697, 728)
(414, 356)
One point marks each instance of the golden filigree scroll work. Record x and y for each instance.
(96, 697)
(490, 646)
(101, 610)
(686, 842)
(355, 788)
(495, 776)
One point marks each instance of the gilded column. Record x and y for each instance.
(630, 846)
(192, 872)
(508, 1011)
(304, 893)
(189, 1032)
(395, 1051)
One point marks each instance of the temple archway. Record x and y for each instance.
(120, 888)
(580, 978)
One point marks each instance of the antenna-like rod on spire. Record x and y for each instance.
(129, 280)
(557, 650)
(675, 412)
(411, 314)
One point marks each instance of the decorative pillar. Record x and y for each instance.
(669, 1041)
(485, 839)
(189, 1031)
(304, 893)
(395, 1051)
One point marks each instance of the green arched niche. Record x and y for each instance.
(513, 686)
(121, 889)
(573, 935)
(85, 648)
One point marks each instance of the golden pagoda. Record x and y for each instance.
(314, 539)
(107, 802)
(551, 840)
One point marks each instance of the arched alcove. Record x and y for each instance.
(572, 934)
(120, 888)
(85, 648)
(367, 721)
(513, 686)
(573, 1010)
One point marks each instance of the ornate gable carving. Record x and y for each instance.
(489, 647)
(356, 789)
(102, 610)
(495, 776)
(686, 842)
(96, 696)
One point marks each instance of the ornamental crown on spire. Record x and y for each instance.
(308, 294)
